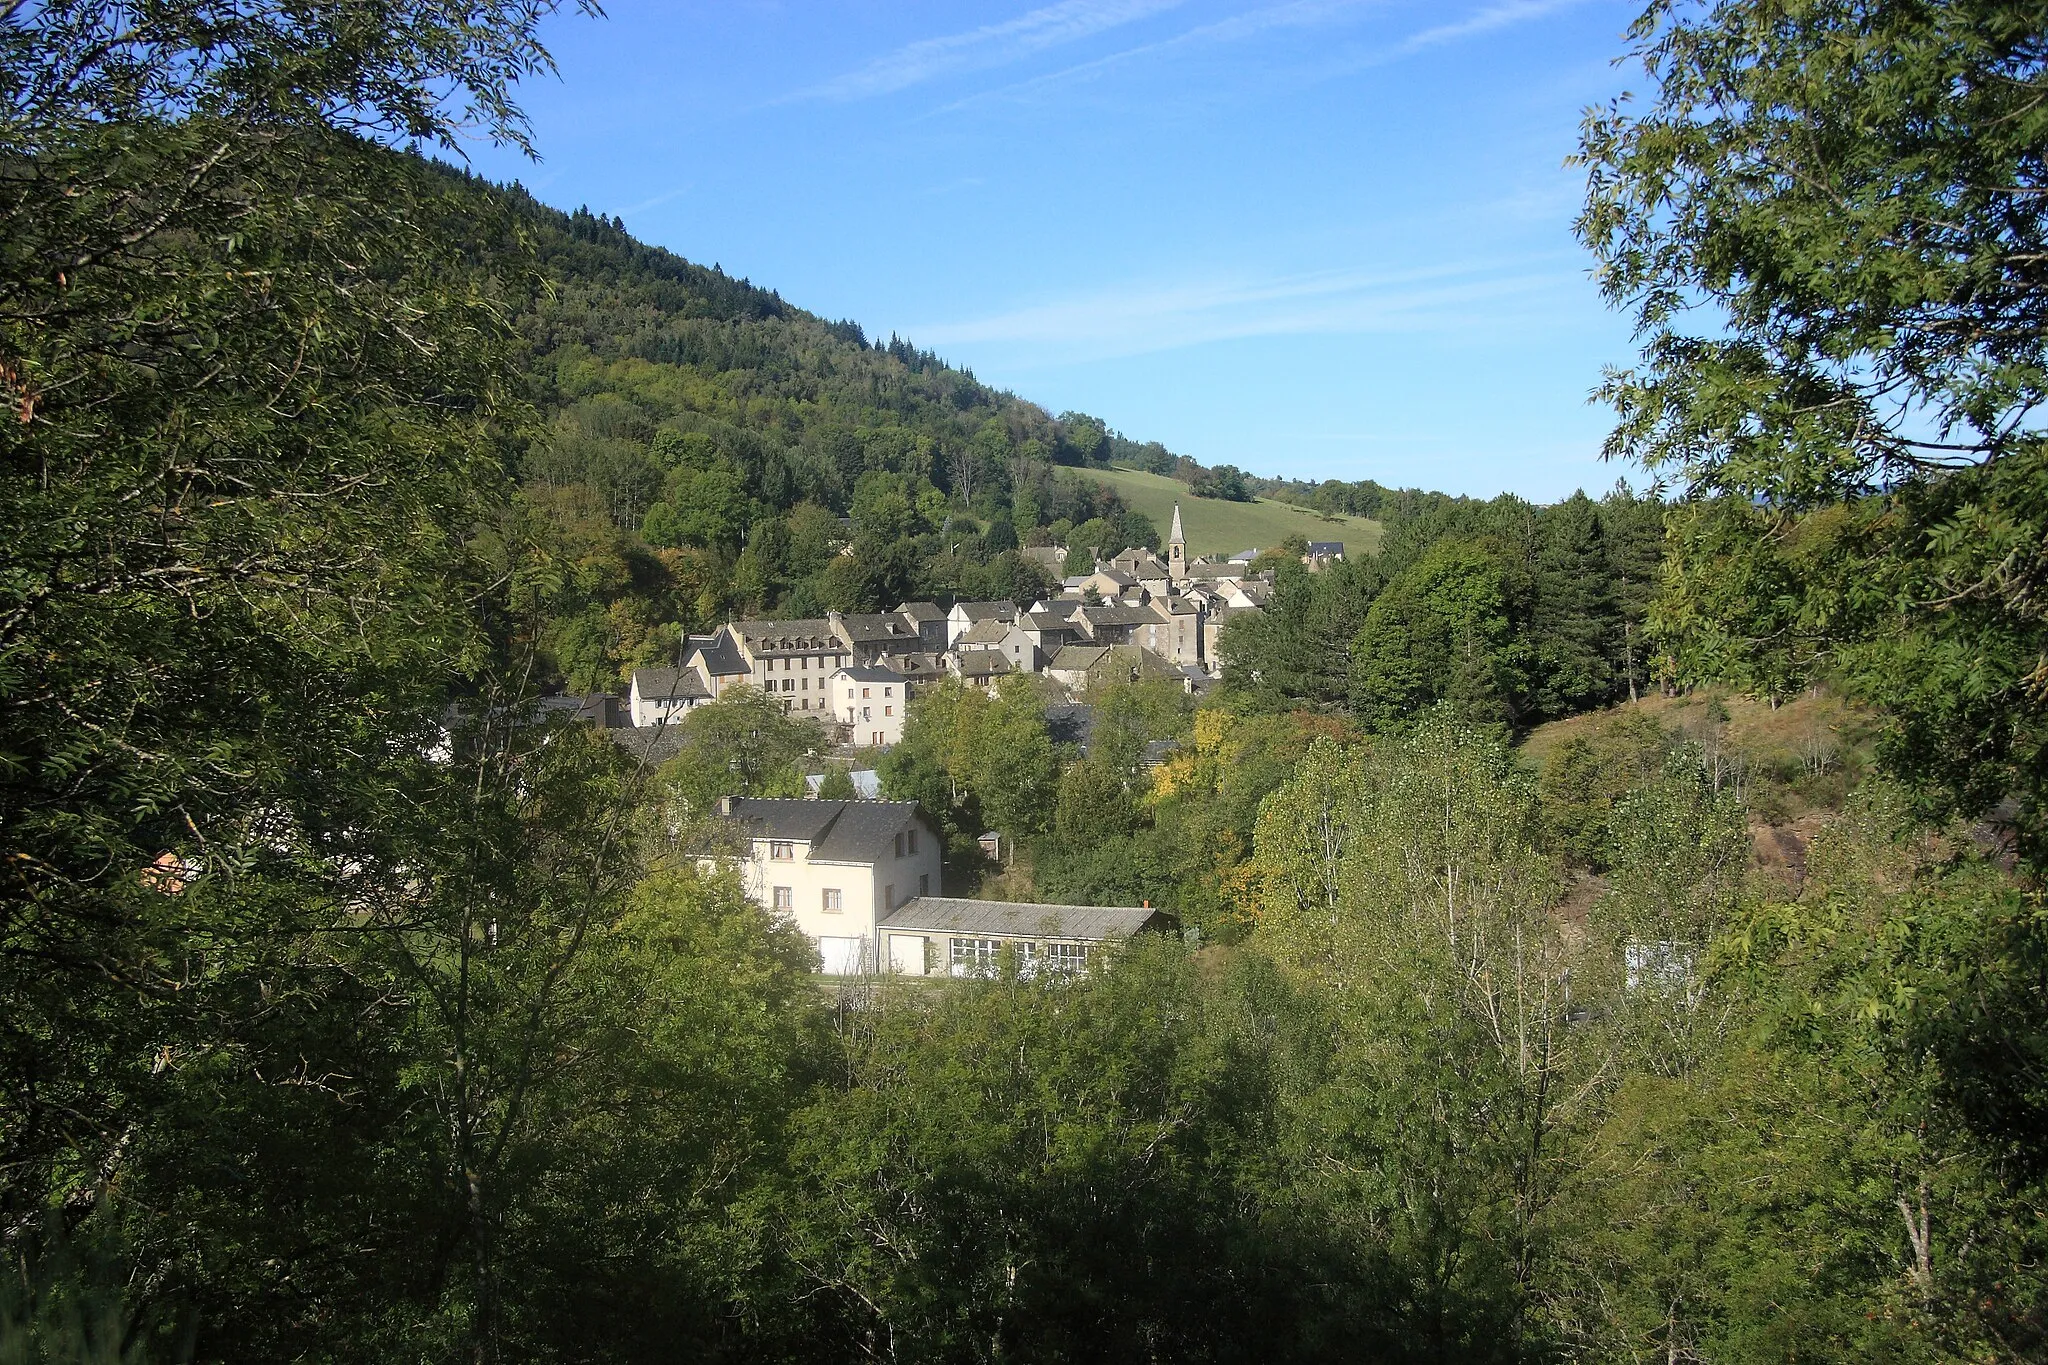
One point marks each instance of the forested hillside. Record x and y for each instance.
(707, 448)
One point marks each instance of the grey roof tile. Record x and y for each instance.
(1018, 919)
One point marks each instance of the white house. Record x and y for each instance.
(1007, 638)
(836, 868)
(963, 616)
(870, 702)
(661, 695)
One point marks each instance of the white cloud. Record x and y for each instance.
(988, 46)
(1292, 15)
(1141, 318)
(1295, 14)
(1485, 21)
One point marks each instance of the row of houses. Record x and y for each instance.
(1136, 616)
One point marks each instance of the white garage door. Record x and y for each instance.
(907, 954)
(842, 955)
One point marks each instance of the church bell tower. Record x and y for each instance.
(1176, 550)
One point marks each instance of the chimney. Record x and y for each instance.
(725, 805)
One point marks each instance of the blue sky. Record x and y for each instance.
(1318, 238)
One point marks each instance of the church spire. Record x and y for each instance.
(1176, 550)
(1175, 537)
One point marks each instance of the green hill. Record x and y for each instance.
(1214, 526)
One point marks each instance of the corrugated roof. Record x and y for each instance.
(1018, 919)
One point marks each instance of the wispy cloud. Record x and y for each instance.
(1485, 21)
(659, 199)
(1236, 28)
(1143, 318)
(1296, 14)
(991, 45)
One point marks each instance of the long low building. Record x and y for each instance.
(946, 936)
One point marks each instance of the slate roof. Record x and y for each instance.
(1142, 563)
(1078, 658)
(837, 831)
(1052, 557)
(786, 637)
(651, 744)
(869, 628)
(722, 658)
(1119, 614)
(987, 611)
(1142, 662)
(601, 709)
(870, 673)
(1070, 723)
(1017, 919)
(921, 612)
(1326, 547)
(982, 663)
(989, 632)
(670, 684)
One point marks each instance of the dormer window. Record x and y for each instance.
(781, 851)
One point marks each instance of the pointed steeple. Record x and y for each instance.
(1174, 537)
(1176, 550)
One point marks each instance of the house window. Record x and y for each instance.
(833, 902)
(807, 685)
(911, 835)
(1067, 957)
(972, 956)
(899, 845)
(889, 896)
(924, 883)
(887, 691)
(866, 692)
(785, 899)
(888, 710)
(781, 851)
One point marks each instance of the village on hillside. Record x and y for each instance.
(1137, 616)
(861, 877)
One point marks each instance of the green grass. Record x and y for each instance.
(1217, 527)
